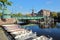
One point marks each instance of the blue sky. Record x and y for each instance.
(25, 6)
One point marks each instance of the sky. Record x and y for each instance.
(26, 6)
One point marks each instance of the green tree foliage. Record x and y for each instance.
(17, 15)
(3, 0)
(54, 14)
(0, 14)
(28, 14)
(58, 13)
(4, 3)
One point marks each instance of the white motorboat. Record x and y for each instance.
(19, 33)
(43, 38)
(26, 35)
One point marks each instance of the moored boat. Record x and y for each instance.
(43, 38)
(17, 32)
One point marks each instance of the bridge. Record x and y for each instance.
(6, 14)
(29, 18)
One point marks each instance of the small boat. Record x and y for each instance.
(26, 35)
(43, 38)
(19, 33)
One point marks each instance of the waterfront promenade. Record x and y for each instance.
(2, 35)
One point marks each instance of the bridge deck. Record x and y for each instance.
(28, 17)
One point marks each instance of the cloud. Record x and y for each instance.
(49, 2)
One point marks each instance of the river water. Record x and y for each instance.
(52, 32)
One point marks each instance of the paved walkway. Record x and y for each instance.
(2, 35)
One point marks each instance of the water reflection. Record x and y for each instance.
(52, 32)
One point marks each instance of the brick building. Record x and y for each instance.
(44, 13)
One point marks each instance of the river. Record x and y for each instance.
(52, 32)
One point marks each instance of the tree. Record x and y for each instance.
(58, 17)
(13, 15)
(4, 3)
(19, 14)
(54, 14)
(28, 14)
(58, 13)
(0, 14)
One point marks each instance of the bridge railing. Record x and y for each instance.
(35, 17)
